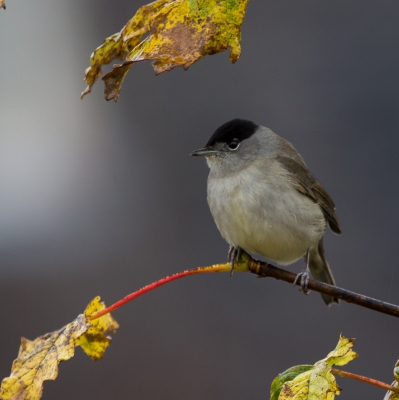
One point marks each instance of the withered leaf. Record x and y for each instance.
(180, 33)
(38, 359)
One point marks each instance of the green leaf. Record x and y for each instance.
(288, 375)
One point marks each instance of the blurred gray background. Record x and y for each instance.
(99, 198)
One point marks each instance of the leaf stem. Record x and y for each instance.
(201, 270)
(365, 379)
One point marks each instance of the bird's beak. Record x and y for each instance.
(205, 151)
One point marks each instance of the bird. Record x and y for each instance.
(265, 201)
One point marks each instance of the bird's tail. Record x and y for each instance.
(321, 271)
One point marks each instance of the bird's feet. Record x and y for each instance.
(233, 257)
(302, 279)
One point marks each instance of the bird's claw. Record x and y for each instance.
(302, 280)
(234, 256)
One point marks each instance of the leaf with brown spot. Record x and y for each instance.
(95, 340)
(38, 359)
(305, 382)
(180, 33)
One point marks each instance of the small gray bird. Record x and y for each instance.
(265, 201)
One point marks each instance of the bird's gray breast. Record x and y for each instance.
(259, 210)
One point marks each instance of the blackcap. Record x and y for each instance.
(265, 201)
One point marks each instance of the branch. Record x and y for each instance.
(263, 270)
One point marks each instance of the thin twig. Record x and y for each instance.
(161, 282)
(365, 379)
(263, 270)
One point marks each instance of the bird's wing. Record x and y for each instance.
(308, 185)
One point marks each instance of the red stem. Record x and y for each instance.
(154, 285)
(364, 379)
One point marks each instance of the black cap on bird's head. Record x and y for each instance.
(231, 133)
(235, 129)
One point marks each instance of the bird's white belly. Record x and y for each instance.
(269, 218)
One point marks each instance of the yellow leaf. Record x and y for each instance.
(121, 43)
(94, 341)
(343, 353)
(392, 395)
(318, 383)
(3, 4)
(38, 359)
(180, 33)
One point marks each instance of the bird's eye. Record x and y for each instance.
(233, 145)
